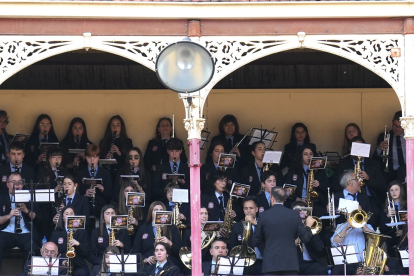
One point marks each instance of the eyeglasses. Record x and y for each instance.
(19, 182)
(45, 125)
(132, 157)
(52, 252)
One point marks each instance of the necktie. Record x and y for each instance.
(229, 144)
(69, 201)
(260, 172)
(17, 170)
(220, 198)
(165, 142)
(353, 195)
(396, 211)
(157, 270)
(400, 154)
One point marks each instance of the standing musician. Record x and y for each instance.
(163, 266)
(4, 137)
(73, 199)
(80, 242)
(99, 240)
(76, 138)
(174, 166)
(251, 173)
(147, 237)
(103, 192)
(375, 185)
(134, 165)
(277, 230)
(15, 216)
(298, 137)
(115, 143)
(229, 135)
(298, 175)
(396, 146)
(156, 152)
(268, 180)
(43, 132)
(16, 156)
(216, 148)
(250, 211)
(311, 254)
(48, 250)
(218, 248)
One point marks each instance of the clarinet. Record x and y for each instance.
(77, 154)
(16, 167)
(93, 186)
(112, 143)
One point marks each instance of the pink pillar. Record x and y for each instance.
(410, 199)
(194, 145)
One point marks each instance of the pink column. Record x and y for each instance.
(410, 198)
(194, 145)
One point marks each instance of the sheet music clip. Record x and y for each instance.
(345, 254)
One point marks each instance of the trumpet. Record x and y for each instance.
(391, 206)
(130, 228)
(17, 227)
(112, 237)
(386, 152)
(311, 194)
(357, 170)
(112, 144)
(331, 209)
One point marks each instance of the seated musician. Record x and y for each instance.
(310, 259)
(162, 266)
(4, 138)
(251, 173)
(351, 130)
(207, 170)
(250, 210)
(268, 181)
(218, 248)
(16, 155)
(147, 236)
(15, 220)
(346, 234)
(102, 193)
(101, 237)
(48, 250)
(184, 208)
(79, 241)
(174, 166)
(298, 175)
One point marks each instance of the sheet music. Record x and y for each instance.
(271, 156)
(350, 205)
(257, 136)
(225, 266)
(360, 149)
(45, 195)
(21, 196)
(130, 263)
(351, 255)
(180, 195)
(40, 266)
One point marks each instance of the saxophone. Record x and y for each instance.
(130, 228)
(228, 220)
(357, 169)
(112, 237)
(176, 221)
(311, 194)
(70, 251)
(159, 234)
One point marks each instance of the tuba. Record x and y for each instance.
(244, 251)
(311, 194)
(130, 228)
(374, 257)
(207, 237)
(386, 152)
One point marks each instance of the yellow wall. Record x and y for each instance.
(324, 111)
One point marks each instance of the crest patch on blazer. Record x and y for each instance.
(210, 205)
(295, 177)
(100, 240)
(145, 236)
(60, 241)
(154, 148)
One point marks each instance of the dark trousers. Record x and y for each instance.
(312, 268)
(285, 272)
(10, 240)
(351, 269)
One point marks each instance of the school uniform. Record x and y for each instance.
(161, 180)
(217, 212)
(166, 269)
(69, 157)
(120, 159)
(289, 153)
(263, 202)
(27, 172)
(32, 151)
(184, 209)
(251, 176)
(118, 183)
(230, 143)
(4, 148)
(156, 153)
(207, 171)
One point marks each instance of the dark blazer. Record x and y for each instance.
(69, 157)
(236, 236)
(101, 198)
(3, 150)
(186, 242)
(156, 154)
(59, 237)
(27, 172)
(184, 209)
(97, 245)
(169, 269)
(277, 229)
(119, 158)
(289, 153)
(209, 169)
(244, 147)
(32, 151)
(51, 175)
(148, 184)
(144, 242)
(363, 201)
(376, 183)
(262, 202)
(159, 182)
(212, 204)
(80, 205)
(206, 268)
(315, 248)
(249, 177)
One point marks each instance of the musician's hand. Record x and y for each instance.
(14, 212)
(166, 240)
(109, 156)
(391, 212)
(250, 219)
(181, 217)
(359, 271)
(75, 162)
(41, 157)
(315, 183)
(133, 221)
(398, 233)
(118, 243)
(233, 214)
(58, 188)
(302, 199)
(223, 233)
(56, 218)
(115, 149)
(297, 241)
(150, 260)
(383, 145)
(23, 208)
(100, 187)
(153, 168)
(90, 192)
(81, 156)
(363, 175)
(236, 151)
(181, 181)
(310, 221)
(74, 242)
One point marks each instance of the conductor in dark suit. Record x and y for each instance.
(278, 229)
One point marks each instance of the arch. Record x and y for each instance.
(371, 52)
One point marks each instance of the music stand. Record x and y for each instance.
(31, 195)
(268, 137)
(345, 254)
(119, 263)
(47, 266)
(230, 265)
(204, 138)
